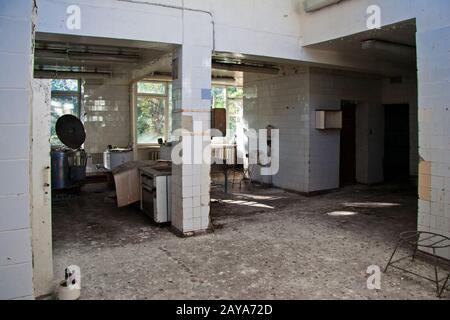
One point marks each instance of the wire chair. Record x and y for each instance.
(423, 241)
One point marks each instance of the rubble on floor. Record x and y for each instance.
(267, 244)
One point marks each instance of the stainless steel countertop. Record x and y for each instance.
(157, 171)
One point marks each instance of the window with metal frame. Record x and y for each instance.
(66, 95)
(231, 99)
(153, 111)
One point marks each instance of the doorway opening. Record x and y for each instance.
(347, 172)
(397, 143)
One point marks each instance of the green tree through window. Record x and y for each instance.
(65, 100)
(230, 98)
(150, 119)
(153, 111)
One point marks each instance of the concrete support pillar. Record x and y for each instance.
(191, 124)
(433, 42)
(16, 55)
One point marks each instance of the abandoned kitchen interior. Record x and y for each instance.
(111, 143)
(344, 175)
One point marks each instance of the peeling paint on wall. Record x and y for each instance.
(425, 180)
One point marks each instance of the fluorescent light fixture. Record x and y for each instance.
(314, 5)
(53, 74)
(245, 68)
(390, 47)
(86, 56)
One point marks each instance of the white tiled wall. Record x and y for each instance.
(370, 93)
(328, 88)
(433, 45)
(309, 158)
(192, 109)
(106, 110)
(15, 114)
(281, 101)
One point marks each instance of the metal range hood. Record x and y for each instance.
(314, 5)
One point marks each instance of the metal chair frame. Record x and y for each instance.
(425, 240)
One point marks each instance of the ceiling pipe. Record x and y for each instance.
(47, 74)
(86, 56)
(119, 58)
(214, 79)
(314, 5)
(245, 68)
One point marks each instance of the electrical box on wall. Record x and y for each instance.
(219, 121)
(328, 119)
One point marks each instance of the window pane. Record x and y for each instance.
(150, 119)
(235, 92)
(218, 97)
(151, 87)
(169, 129)
(64, 85)
(62, 105)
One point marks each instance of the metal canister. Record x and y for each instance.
(60, 169)
(77, 160)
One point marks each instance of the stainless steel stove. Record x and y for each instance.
(156, 190)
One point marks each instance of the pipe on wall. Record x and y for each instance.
(169, 6)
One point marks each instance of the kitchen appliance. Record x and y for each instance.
(114, 157)
(68, 162)
(156, 190)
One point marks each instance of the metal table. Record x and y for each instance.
(227, 153)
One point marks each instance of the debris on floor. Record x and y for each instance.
(271, 244)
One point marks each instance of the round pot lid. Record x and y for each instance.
(70, 131)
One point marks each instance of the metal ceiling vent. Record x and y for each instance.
(314, 5)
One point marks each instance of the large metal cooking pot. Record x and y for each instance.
(69, 163)
(60, 169)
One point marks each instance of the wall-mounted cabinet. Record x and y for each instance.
(328, 119)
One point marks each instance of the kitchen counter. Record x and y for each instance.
(157, 171)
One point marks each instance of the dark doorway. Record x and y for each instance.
(396, 144)
(348, 144)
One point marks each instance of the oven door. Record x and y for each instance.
(148, 197)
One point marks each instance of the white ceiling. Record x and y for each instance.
(401, 34)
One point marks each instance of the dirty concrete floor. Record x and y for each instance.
(267, 244)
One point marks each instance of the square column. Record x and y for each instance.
(433, 41)
(16, 56)
(191, 124)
